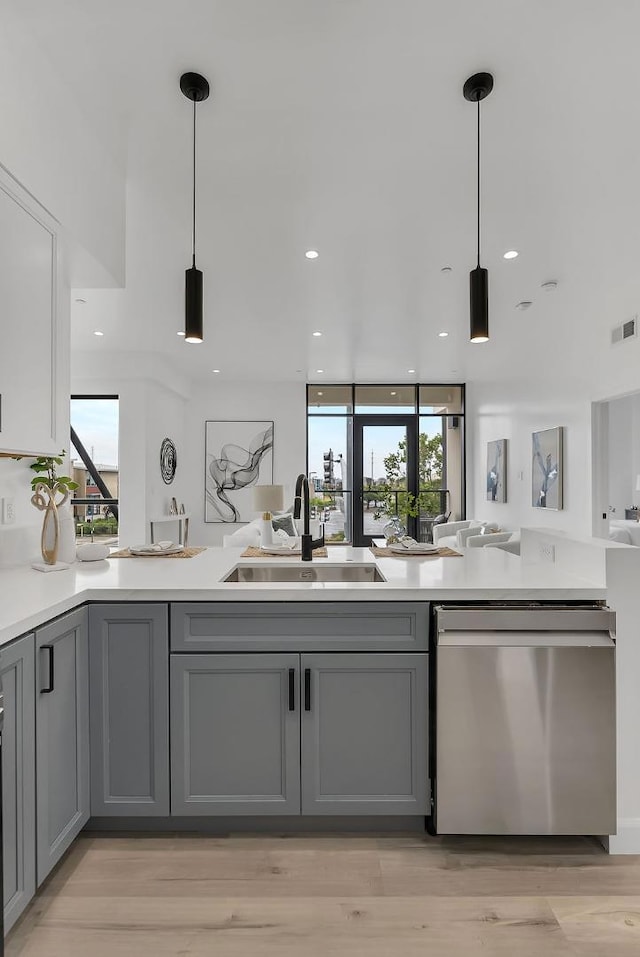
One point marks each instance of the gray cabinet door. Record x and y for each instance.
(62, 737)
(129, 692)
(18, 777)
(364, 734)
(235, 734)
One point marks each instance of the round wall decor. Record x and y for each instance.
(168, 461)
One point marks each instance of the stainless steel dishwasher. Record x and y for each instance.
(525, 737)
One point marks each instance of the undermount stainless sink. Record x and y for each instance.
(308, 572)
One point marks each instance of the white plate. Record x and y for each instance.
(280, 550)
(423, 550)
(147, 550)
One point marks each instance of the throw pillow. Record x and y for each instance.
(442, 519)
(284, 522)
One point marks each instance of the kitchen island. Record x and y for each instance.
(151, 693)
(29, 598)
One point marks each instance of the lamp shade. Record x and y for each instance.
(479, 304)
(268, 498)
(637, 483)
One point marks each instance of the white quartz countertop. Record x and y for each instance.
(28, 597)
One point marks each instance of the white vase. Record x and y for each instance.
(67, 539)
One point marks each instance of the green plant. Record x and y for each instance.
(397, 500)
(45, 467)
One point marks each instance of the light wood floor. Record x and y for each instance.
(192, 896)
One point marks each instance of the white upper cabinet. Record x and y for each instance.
(29, 329)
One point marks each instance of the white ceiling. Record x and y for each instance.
(340, 125)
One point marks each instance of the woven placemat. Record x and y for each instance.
(251, 551)
(186, 553)
(443, 552)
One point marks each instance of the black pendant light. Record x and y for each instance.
(476, 89)
(196, 89)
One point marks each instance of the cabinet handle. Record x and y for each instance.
(307, 689)
(292, 689)
(49, 648)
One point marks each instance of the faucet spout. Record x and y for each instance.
(308, 543)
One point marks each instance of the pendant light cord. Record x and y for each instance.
(193, 234)
(478, 181)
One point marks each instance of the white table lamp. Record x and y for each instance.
(267, 499)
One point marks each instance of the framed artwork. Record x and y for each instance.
(497, 471)
(546, 469)
(238, 455)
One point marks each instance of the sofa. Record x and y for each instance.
(249, 534)
(474, 534)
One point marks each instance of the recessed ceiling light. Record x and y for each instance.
(98, 333)
(394, 393)
(81, 300)
(510, 254)
(523, 305)
(411, 371)
(320, 393)
(312, 254)
(550, 286)
(317, 334)
(179, 333)
(215, 370)
(319, 370)
(447, 269)
(443, 335)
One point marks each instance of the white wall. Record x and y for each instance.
(552, 379)
(60, 153)
(512, 410)
(284, 403)
(19, 543)
(148, 411)
(624, 418)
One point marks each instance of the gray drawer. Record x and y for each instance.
(307, 626)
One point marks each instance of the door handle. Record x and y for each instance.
(49, 649)
(292, 689)
(307, 689)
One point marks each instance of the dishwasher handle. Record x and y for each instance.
(524, 639)
(503, 618)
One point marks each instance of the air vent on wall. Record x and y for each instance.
(626, 330)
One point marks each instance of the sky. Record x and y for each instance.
(96, 424)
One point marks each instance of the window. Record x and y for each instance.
(374, 451)
(94, 464)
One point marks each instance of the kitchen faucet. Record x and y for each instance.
(307, 542)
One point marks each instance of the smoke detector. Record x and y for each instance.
(550, 286)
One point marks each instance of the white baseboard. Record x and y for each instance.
(627, 840)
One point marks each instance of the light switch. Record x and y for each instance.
(8, 511)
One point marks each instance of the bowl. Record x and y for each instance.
(92, 552)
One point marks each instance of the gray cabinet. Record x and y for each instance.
(237, 722)
(235, 734)
(62, 737)
(364, 734)
(18, 777)
(298, 626)
(129, 691)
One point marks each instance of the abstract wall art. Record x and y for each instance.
(497, 471)
(238, 455)
(546, 469)
(168, 461)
